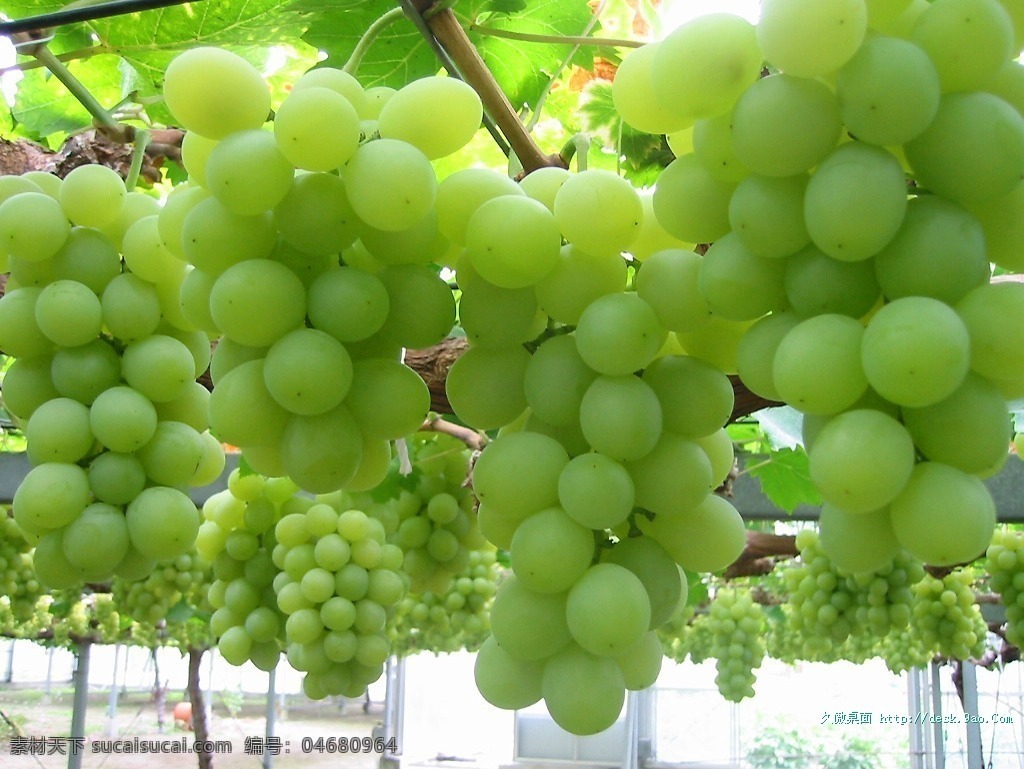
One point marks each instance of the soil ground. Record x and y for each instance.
(235, 720)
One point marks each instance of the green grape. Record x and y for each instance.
(690, 204)
(855, 201)
(668, 282)
(943, 516)
(598, 211)
(130, 307)
(97, 540)
(621, 416)
(737, 284)
(720, 453)
(737, 625)
(596, 491)
(348, 303)
(387, 400)
(20, 333)
(390, 184)
(767, 214)
(173, 455)
(618, 334)
(237, 395)
(657, 572)
(968, 430)
(146, 255)
(33, 226)
(160, 367)
(556, 379)
(1004, 569)
(27, 384)
(888, 92)
(504, 462)
(316, 128)
(340, 81)
(949, 28)
(947, 617)
(512, 241)
(69, 313)
(783, 125)
(495, 317)
(529, 625)
(162, 522)
(87, 256)
(215, 92)
(956, 157)
(543, 184)
(421, 307)
(714, 342)
(22, 588)
(116, 478)
(59, 431)
(857, 542)
(83, 372)
(721, 55)
(422, 243)
(991, 313)
(410, 115)
(460, 194)
(53, 570)
(505, 681)
(861, 460)
(673, 478)
(634, 96)
(817, 365)
(707, 537)
(550, 551)
(195, 150)
(916, 351)
(809, 39)
(315, 215)
(257, 301)
(817, 284)
(213, 238)
(577, 280)
(247, 172)
(583, 693)
(712, 144)
(307, 371)
(755, 353)
(321, 453)
(122, 419)
(485, 385)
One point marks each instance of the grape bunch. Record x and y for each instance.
(458, 618)
(237, 539)
(833, 285)
(947, 618)
(312, 243)
(19, 587)
(737, 625)
(103, 379)
(829, 606)
(1006, 577)
(339, 582)
(182, 579)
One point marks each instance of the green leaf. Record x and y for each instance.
(399, 55)
(697, 589)
(786, 480)
(180, 612)
(44, 107)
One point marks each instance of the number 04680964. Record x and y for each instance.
(349, 745)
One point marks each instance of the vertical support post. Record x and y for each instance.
(975, 758)
(81, 704)
(268, 756)
(937, 728)
(209, 688)
(159, 692)
(9, 673)
(646, 726)
(200, 725)
(630, 757)
(112, 703)
(918, 755)
(394, 706)
(49, 674)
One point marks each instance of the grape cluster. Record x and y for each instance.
(737, 625)
(863, 302)
(947, 618)
(458, 618)
(828, 606)
(1006, 577)
(313, 280)
(103, 378)
(182, 579)
(19, 588)
(339, 580)
(237, 539)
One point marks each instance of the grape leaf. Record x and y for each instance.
(783, 425)
(180, 612)
(45, 108)
(786, 479)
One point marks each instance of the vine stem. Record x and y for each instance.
(369, 36)
(142, 140)
(448, 32)
(77, 89)
(578, 40)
